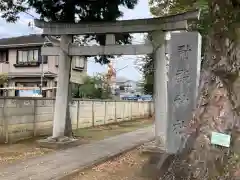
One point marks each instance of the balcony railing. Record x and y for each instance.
(27, 64)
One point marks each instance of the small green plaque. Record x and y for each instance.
(220, 139)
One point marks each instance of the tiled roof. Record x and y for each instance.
(20, 41)
(30, 39)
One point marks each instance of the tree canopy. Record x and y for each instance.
(148, 74)
(3, 78)
(72, 11)
(67, 10)
(168, 7)
(222, 25)
(93, 88)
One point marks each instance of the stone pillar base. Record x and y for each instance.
(153, 147)
(59, 143)
(157, 165)
(158, 162)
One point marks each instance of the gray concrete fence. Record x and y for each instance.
(23, 118)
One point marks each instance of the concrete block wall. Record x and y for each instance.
(23, 118)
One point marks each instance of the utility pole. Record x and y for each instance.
(42, 74)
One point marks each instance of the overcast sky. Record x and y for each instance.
(130, 72)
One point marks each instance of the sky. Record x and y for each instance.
(125, 65)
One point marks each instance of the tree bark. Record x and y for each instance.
(218, 106)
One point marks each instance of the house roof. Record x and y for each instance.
(22, 41)
(121, 79)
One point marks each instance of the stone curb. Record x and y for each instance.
(101, 160)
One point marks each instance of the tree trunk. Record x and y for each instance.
(218, 107)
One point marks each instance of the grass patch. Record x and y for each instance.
(102, 132)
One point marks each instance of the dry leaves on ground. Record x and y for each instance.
(13, 152)
(128, 159)
(126, 166)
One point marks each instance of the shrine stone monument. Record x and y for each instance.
(177, 104)
(184, 74)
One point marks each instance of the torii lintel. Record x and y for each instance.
(166, 23)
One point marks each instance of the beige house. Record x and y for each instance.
(21, 60)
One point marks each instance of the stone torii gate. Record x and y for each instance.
(156, 26)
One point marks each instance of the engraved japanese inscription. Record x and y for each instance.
(182, 85)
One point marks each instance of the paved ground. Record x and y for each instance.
(57, 165)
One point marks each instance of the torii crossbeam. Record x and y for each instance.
(167, 23)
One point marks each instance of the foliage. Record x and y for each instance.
(10, 9)
(204, 25)
(148, 74)
(3, 78)
(147, 70)
(93, 88)
(168, 7)
(72, 11)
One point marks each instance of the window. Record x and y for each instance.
(55, 89)
(78, 62)
(3, 56)
(56, 61)
(28, 56)
(122, 87)
(1, 91)
(45, 59)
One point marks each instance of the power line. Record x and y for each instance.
(24, 11)
(30, 15)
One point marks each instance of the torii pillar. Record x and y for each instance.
(61, 103)
(160, 87)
